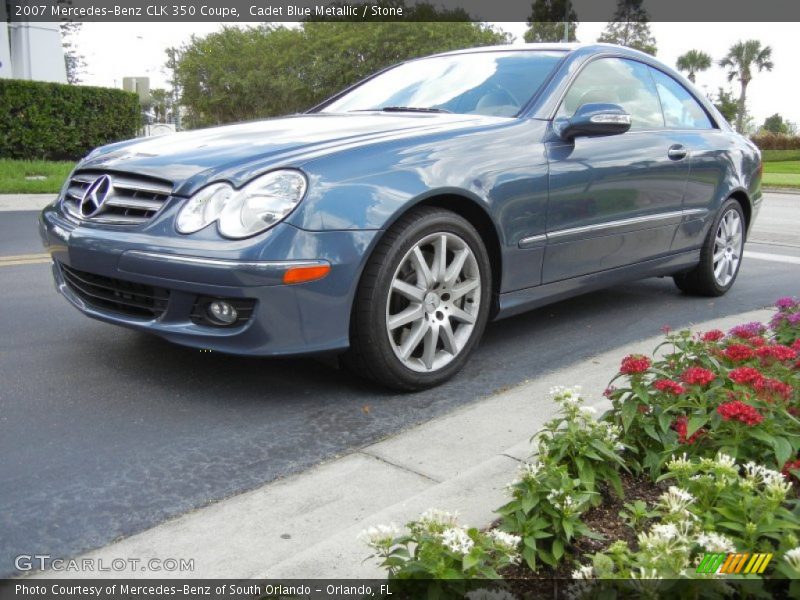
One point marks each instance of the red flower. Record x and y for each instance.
(796, 345)
(714, 335)
(681, 426)
(669, 386)
(665, 329)
(698, 376)
(771, 389)
(609, 391)
(757, 342)
(746, 376)
(778, 352)
(738, 353)
(634, 363)
(792, 465)
(739, 411)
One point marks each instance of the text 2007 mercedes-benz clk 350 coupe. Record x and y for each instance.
(391, 222)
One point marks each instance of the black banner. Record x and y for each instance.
(233, 11)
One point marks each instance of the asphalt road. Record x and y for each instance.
(105, 432)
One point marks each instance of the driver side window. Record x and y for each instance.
(617, 81)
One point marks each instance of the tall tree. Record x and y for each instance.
(630, 27)
(547, 21)
(775, 124)
(727, 105)
(692, 62)
(741, 60)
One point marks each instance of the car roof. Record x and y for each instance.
(567, 47)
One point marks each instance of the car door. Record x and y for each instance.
(708, 147)
(613, 200)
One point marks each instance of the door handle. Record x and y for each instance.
(677, 152)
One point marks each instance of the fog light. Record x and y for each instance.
(222, 312)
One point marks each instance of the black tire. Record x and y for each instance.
(372, 354)
(701, 280)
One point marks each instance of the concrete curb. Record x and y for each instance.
(22, 202)
(777, 190)
(307, 524)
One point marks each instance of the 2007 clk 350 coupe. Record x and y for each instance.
(391, 222)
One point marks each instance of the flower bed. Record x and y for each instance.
(698, 454)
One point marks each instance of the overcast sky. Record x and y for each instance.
(117, 50)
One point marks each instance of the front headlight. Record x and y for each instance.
(256, 207)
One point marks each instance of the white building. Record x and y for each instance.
(32, 51)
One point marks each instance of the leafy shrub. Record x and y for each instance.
(53, 121)
(777, 141)
(550, 494)
(438, 547)
(735, 393)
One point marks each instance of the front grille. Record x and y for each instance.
(125, 297)
(131, 200)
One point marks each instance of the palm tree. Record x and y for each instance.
(740, 61)
(693, 62)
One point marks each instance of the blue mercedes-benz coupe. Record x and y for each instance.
(392, 221)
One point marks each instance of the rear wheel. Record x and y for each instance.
(422, 303)
(720, 256)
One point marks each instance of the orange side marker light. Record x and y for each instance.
(305, 274)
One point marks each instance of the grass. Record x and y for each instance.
(13, 175)
(784, 173)
(779, 155)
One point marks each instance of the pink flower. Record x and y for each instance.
(668, 386)
(739, 411)
(634, 363)
(698, 376)
(746, 376)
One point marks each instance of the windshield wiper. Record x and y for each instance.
(404, 109)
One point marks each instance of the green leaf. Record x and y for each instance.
(558, 550)
(470, 560)
(695, 423)
(629, 410)
(529, 554)
(783, 449)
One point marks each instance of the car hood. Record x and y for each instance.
(239, 152)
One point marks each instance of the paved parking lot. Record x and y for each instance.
(105, 432)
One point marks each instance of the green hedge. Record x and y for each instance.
(53, 121)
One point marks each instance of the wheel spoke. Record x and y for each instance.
(448, 337)
(414, 338)
(454, 269)
(465, 287)
(720, 269)
(406, 316)
(440, 258)
(718, 255)
(424, 275)
(411, 292)
(461, 315)
(429, 347)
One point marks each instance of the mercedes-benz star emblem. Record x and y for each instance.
(95, 195)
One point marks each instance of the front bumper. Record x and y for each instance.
(286, 319)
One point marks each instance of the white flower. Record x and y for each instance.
(793, 558)
(505, 540)
(715, 542)
(379, 535)
(588, 411)
(723, 461)
(583, 572)
(457, 540)
(526, 472)
(680, 463)
(676, 500)
(435, 519)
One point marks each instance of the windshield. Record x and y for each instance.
(482, 83)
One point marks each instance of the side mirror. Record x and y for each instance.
(593, 119)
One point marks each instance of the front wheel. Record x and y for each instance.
(422, 303)
(720, 256)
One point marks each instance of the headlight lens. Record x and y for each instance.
(256, 207)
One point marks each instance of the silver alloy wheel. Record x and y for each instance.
(433, 302)
(728, 246)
